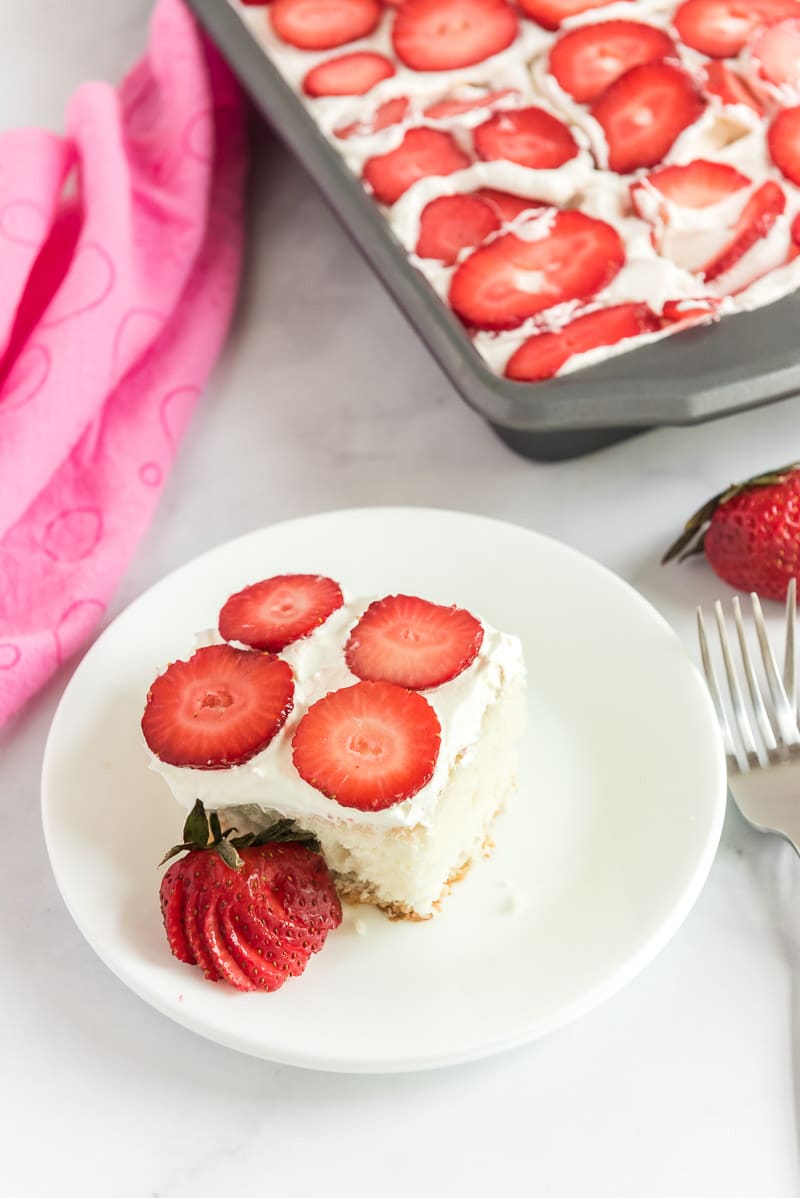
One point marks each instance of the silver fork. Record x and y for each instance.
(760, 732)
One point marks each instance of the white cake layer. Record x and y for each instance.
(407, 869)
(270, 780)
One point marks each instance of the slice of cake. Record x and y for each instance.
(388, 728)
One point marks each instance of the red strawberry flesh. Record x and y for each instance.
(348, 75)
(776, 52)
(550, 13)
(511, 279)
(587, 60)
(226, 964)
(412, 642)
(451, 224)
(506, 205)
(368, 746)
(422, 153)
(172, 895)
(643, 112)
(698, 184)
(720, 28)
(528, 136)
(730, 88)
(323, 24)
(390, 112)
(543, 354)
(443, 109)
(217, 709)
(758, 216)
(783, 139)
(271, 614)
(262, 973)
(445, 35)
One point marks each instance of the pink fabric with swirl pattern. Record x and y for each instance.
(120, 249)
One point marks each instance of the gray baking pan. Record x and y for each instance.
(741, 362)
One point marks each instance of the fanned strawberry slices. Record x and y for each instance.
(269, 615)
(217, 709)
(247, 910)
(412, 642)
(368, 746)
(443, 35)
(568, 256)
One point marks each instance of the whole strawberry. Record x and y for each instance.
(247, 910)
(750, 533)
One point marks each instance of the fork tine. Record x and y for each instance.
(759, 710)
(787, 724)
(789, 675)
(741, 718)
(731, 749)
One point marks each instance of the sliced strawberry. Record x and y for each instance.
(217, 709)
(172, 903)
(272, 949)
(643, 112)
(368, 746)
(689, 311)
(412, 642)
(795, 231)
(444, 35)
(730, 88)
(776, 53)
(262, 973)
(421, 153)
(198, 875)
(550, 13)
(226, 964)
(511, 279)
(720, 28)
(506, 205)
(450, 224)
(323, 24)
(587, 60)
(543, 354)
(529, 136)
(303, 898)
(758, 216)
(447, 108)
(271, 614)
(390, 112)
(348, 75)
(698, 184)
(783, 139)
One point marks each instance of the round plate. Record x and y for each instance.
(598, 859)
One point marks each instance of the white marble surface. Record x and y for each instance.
(684, 1085)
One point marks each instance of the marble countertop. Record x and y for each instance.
(684, 1084)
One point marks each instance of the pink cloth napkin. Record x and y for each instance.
(120, 248)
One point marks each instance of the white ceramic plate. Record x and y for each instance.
(621, 800)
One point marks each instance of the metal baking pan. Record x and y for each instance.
(743, 361)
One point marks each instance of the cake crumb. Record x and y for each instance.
(513, 904)
(360, 927)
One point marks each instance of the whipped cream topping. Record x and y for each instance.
(270, 781)
(728, 133)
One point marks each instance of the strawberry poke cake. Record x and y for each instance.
(574, 178)
(384, 730)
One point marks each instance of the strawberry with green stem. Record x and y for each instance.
(249, 910)
(750, 533)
